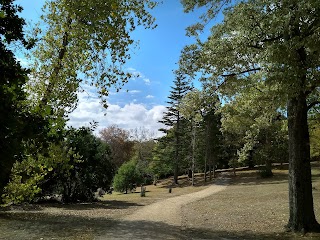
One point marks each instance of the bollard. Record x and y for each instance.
(143, 191)
(170, 189)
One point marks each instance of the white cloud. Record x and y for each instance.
(130, 69)
(147, 81)
(130, 116)
(138, 75)
(24, 62)
(134, 91)
(149, 96)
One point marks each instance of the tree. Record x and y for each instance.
(32, 178)
(191, 109)
(97, 34)
(143, 143)
(17, 123)
(213, 137)
(274, 42)
(161, 164)
(143, 151)
(201, 109)
(259, 126)
(94, 170)
(119, 141)
(172, 119)
(74, 168)
(314, 134)
(126, 177)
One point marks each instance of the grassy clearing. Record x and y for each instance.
(250, 208)
(160, 191)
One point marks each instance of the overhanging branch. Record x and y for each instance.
(315, 84)
(311, 105)
(242, 72)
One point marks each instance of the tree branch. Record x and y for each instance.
(242, 72)
(311, 105)
(57, 68)
(315, 84)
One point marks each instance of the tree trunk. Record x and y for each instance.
(207, 154)
(58, 67)
(193, 151)
(175, 176)
(268, 168)
(302, 217)
(176, 162)
(205, 169)
(177, 148)
(213, 161)
(4, 179)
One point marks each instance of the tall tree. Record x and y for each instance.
(275, 42)
(191, 109)
(162, 155)
(213, 137)
(144, 144)
(172, 118)
(119, 141)
(14, 115)
(83, 43)
(200, 108)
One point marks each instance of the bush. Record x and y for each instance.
(127, 178)
(74, 169)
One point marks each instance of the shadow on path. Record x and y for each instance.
(108, 204)
(42, 226)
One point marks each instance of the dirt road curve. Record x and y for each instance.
(160, 220)
(169, 210)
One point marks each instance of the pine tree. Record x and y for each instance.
(173, 119)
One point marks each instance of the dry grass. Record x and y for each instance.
(250, 208)
(160, 191)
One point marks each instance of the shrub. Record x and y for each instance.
(127, 177)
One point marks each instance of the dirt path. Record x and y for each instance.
(160, 220)
(168, 211)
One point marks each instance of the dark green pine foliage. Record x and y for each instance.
(173, 120)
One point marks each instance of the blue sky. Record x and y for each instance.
(155, 59)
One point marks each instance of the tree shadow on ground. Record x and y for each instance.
(44, 226)
(253, 178)
(107, 204)
(184, 181)
(315, 176)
